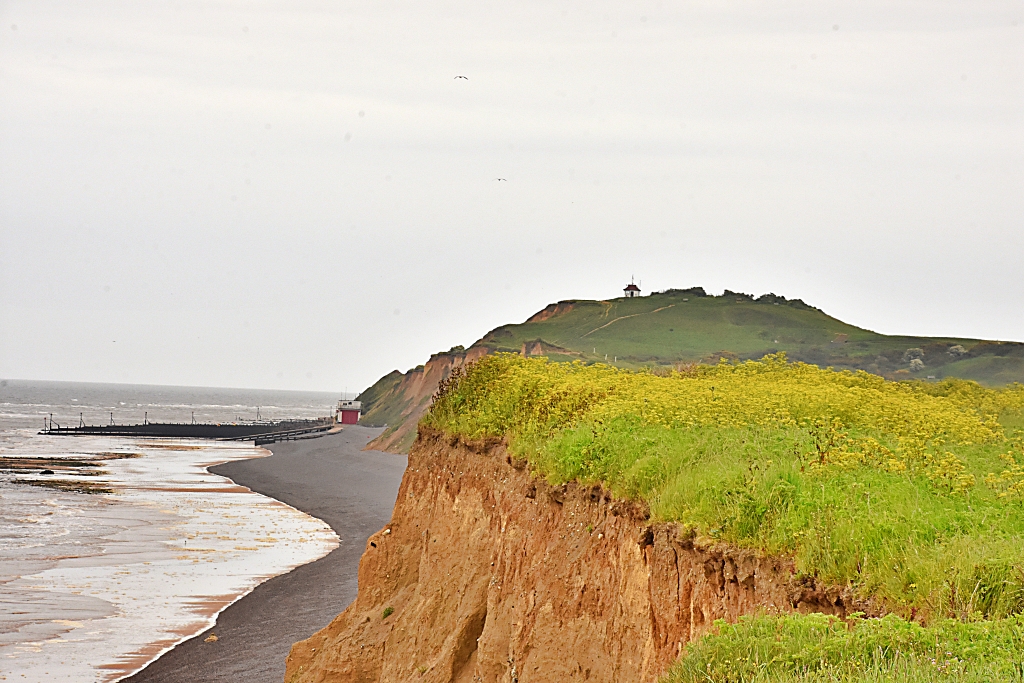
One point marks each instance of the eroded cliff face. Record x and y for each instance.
(493, 575)
(409, 399)
(552, 311)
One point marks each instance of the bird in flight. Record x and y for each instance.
(503, 179)
(462, 77)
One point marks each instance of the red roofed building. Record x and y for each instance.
(631, 290)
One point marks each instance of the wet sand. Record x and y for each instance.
(330, 478)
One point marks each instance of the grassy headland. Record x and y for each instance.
(687, 325)
(910, 493)
(680, 326)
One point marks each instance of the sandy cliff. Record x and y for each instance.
(495, 576)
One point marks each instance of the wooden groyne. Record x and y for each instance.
(261, 432)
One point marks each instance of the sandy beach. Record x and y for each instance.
(332, 479)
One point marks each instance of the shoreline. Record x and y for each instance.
(207, 608)
(95, 587)
(332, 479)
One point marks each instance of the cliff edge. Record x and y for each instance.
(398, 401)
(486, 573)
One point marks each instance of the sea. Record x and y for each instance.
(105, 566)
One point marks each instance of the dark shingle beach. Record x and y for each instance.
(330, 478)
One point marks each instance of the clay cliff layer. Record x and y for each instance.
(488, 574)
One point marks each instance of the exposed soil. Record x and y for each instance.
(539, 347)
(551, 311)
(487, 574)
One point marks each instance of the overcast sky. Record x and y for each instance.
(303, 195)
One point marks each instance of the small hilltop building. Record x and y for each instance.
(348, 412)
(631, 290)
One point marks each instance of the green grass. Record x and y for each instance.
(894, 536)
(818, 649)
(682, 326)
(989, 369)
(676, 327)
(382, 405)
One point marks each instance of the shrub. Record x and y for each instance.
(912, 354)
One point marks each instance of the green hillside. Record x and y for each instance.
(686, 326)
(667, 329)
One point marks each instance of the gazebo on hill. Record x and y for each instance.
(631, 290)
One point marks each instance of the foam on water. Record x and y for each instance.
(94, 586)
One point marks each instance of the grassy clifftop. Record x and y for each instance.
(911, 494)
(687, 326)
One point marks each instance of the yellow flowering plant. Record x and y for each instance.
(862, 481)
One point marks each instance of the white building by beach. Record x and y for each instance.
(348, 412)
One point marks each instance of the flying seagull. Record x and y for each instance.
(504, 179)
(463, 77)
